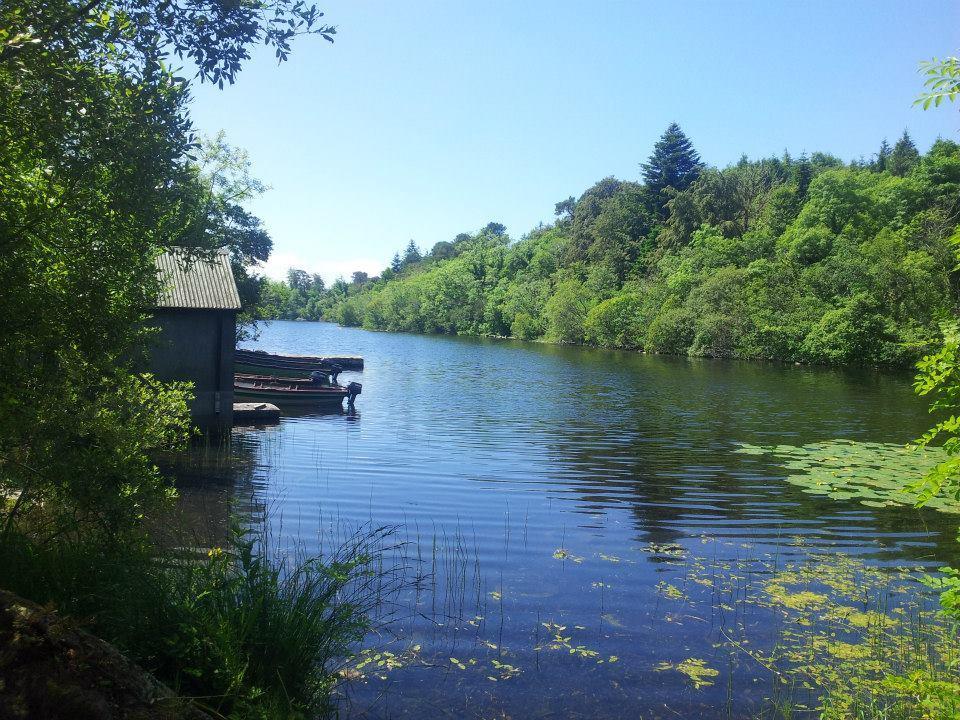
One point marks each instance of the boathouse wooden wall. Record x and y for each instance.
(198, 346)
(196, 319)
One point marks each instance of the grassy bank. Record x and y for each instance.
(240, 628)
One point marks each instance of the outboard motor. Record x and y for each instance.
(353, 389)
(319, 378)
(335, 370)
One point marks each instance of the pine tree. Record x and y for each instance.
(883, 157)
(412, 254)
(396, 264)
(903, 157)
(673, 163)
(804, 174)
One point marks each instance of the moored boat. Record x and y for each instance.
(259, 362)
(283, 391)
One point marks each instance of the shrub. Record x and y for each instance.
(566, 312)
(525, 327)
(851, 333)
(247, 631)
(811, 245)
(671, 332)
(616, 322)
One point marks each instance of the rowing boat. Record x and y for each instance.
(259, 362)
(283, 391)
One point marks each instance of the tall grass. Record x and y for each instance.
(243, 630)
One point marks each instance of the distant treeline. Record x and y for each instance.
(808, 259)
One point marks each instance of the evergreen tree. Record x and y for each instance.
(883, 157)
(564, 209)
(411, 254)
(804, 174)
(904, 156)
(396, 264)
(673, 163)
(496, 229)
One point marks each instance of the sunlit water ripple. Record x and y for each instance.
(500, 453)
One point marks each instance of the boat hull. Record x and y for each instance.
(306, 362)
(324, 396)
(249, 368)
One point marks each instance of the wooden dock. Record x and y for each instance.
(255, 413)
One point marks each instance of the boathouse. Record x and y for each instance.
(196, 314)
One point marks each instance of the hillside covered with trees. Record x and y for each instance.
(807, 259)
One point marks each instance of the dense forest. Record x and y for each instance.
(806, 259)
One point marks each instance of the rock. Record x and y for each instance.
(52, 670)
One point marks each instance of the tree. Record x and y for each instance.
(904, 156)
(443, 250)
(411, 254)
(360, 278)
(98, 176)
(803, 176)
(734, 198)
(566, 312)
(298, 280)
(564, 209)
(939, 373)
(397, 263)
(216, 37)
(673, 162)
(883, 157)
(495, 229)
(225, 183)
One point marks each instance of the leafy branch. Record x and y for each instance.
(942, 81)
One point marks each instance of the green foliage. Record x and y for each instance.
(100, 172)
(873, 474)
(939, 379)
(215, 37)
(246, 631)
(411, 254)
(674, 163)
(616, 322)
(566, 312)
(904, 156)
(258, 634)
(803, 260)
(525, 327)
(845, 635)
(220, 220)
(671, 332)
(845, 334)
(841, 638)
(942, 81)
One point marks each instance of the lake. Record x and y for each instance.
(583, 525)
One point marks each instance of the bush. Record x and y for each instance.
(616, 322)
(854, 332)
(525, 327)
(671, 332)
(258, 632)
(566, 312)
(716, 336)
(810, 245)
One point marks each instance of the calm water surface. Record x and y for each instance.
(492, 456)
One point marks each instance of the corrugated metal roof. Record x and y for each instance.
(197, 283)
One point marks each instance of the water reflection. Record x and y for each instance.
(541, 486)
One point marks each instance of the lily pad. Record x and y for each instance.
(875, 474)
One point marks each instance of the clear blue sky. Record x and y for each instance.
(426, 119)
